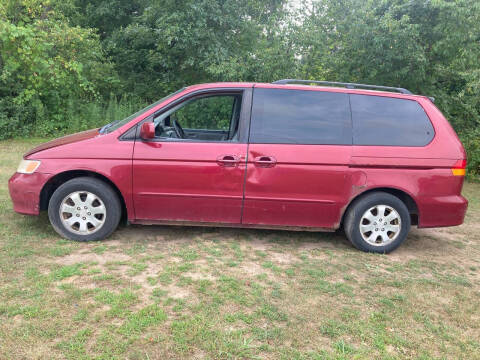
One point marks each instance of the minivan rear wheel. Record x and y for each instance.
(84, 209)
(378, 222)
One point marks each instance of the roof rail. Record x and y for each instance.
(347, 85)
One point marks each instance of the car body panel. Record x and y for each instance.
(73, 138)
(308, 186)
(25, 192)
(102, 154)
(427, 187)
(183, 181)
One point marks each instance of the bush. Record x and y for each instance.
(471, 142)
(77, 115)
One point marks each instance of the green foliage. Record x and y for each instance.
(105, 15)
(180, 43)
(45, 64)
(471, 142)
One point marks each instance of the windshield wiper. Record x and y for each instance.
(105, 127)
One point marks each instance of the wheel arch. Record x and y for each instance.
(405, 197)
(54, 182)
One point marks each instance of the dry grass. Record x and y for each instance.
(202, 293)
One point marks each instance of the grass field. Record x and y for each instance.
(207, 293)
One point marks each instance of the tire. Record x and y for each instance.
(365, 214)
(84, 209)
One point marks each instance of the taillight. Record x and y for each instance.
(459, 167)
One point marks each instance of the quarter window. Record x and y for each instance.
(386, 121)
(300, 117)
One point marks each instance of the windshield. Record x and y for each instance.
(119, 123)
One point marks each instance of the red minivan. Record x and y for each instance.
(294, 154)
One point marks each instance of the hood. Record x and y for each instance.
(84, 135)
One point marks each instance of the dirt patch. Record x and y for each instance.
(259, 244)
(177, 292)
(101, 259)
(80, 282)
(114, 243)
(200, 276)
(284, 258)
(251, 269)
(142, 278)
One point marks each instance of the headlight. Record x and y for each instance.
(28, 166)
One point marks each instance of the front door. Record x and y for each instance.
(298, 158)
(194, 168)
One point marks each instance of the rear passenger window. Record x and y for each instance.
(388, 121)
(300, 117)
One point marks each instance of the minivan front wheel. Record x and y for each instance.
(378, 222)
(84, 209)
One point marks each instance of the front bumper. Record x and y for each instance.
(25, 192)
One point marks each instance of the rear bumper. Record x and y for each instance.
(442, 211)
(25, 192)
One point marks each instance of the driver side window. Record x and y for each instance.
(207, 118)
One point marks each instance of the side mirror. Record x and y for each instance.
(147, 131)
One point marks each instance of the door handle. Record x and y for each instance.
(265, 161)
(228, 160)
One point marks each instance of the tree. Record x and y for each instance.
(106, 16)
(173, 44)
(45, 62)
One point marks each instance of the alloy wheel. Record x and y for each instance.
(380, 225)
(82, 212)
